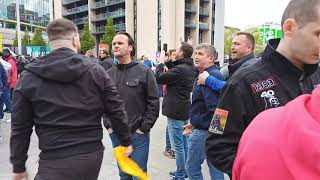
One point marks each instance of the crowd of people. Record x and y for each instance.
(255, 118)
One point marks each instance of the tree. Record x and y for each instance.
(109, 33)
(87, 41)
(228, 36)
(15, 41)
(37, 39)
(26, 38)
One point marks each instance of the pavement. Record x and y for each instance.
(158, 165)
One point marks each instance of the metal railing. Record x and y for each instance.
(189, 7)
(80, 20)
(117, 27)
(105, 16)
(190, 23)
(100, 4)
(65, 2)
(204, 12)
(76, 10)
(203, 26)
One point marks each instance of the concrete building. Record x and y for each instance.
(152, 23)
(33, 13)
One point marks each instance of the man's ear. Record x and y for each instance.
(289, 27)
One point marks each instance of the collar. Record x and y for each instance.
(281, 64)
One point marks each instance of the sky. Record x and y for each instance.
(247, 13)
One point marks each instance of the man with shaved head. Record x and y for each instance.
(282, 74)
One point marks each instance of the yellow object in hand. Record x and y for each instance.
(127, 165)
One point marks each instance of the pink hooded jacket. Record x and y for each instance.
(13, 74)
(282, 143)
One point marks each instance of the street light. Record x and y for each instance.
(18, 27)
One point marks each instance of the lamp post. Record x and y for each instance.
(18, 27)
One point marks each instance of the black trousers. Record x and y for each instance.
(79, 167)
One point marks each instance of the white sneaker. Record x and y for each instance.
(8, 121)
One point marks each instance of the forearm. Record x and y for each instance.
(214, 83)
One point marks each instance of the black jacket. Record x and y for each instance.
(243, 62)
(138, 88)
(179, 80)
(64, 96)
(107, 63)
(268, 83)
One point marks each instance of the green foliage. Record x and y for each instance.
(26, 38)
(259, 47)
(37, 39)
(15, 41)
(109, 33)
(228, 36)
(87, 41)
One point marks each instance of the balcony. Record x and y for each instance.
(76, 10)
(203, 26)
(105, 16)
(190, 8)
(80, 20)
(66, 2)
(101, 4)
(189, 23)
(203, 12)
(117, 27)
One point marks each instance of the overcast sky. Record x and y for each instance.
(245, 13)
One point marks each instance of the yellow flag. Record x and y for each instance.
(127, 165)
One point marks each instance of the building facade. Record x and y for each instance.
(152, 23)
(33, 13)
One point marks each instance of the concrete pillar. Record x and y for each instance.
(219, 29)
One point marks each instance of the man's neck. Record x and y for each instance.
(125, 59)
(205, 67)
(62, 44)
(283, 49)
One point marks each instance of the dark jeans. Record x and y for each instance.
(6, 99)
(79, 167)
(168, 144)
(140, 145)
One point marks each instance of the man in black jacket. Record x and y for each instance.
(137, 86)
(281, 75)
(176, 102)
(63, 95)
(105, 61)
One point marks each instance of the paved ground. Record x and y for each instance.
(158, 165)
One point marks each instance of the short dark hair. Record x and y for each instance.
(249, 36)
(6, 53)
(171, 51)
(59, 29)
(301, 11)
(105, 51)
(130, 41)
(186, 49)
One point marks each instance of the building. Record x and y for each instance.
(33, 13)
(152, 23)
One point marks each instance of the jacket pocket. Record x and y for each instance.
(133, 83)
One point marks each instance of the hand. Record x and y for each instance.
(110, 130)
(162, 57)
(139, 131)
(202, 78)
(20, 176)
(187, 129)
(165, 69)
(128, 150)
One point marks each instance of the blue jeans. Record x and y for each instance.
(179, 143)
(196, 156)
(140, 145)
(168, 145)
(6, 99)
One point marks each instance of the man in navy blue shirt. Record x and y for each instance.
(204, 102)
